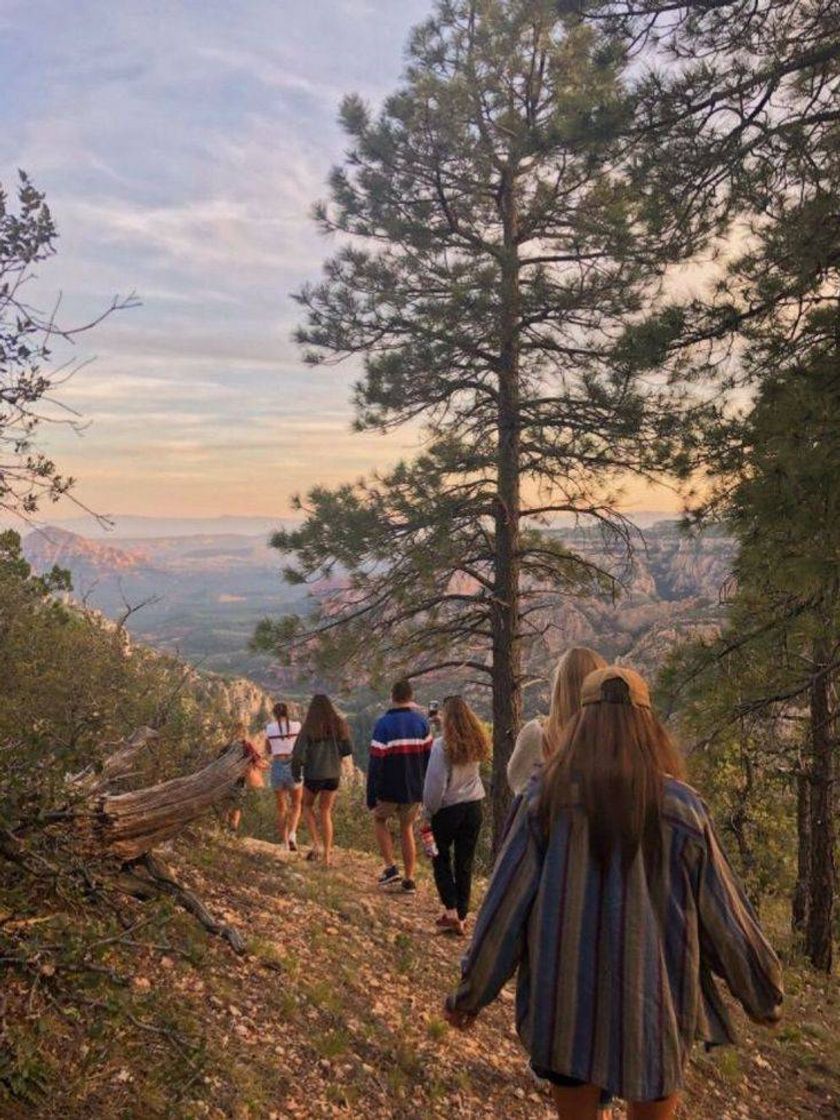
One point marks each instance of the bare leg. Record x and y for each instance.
(326, 807)
(235, 819)
(296, 798)
(309, 817)
(385, 841)
(654, 1110)
(579, 1103)
(409, 849)
(282, 815)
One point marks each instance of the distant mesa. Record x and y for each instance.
(47, 547)
(133, 526)
(203, 593)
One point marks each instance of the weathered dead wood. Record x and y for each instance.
(129, 824)
(158, 877)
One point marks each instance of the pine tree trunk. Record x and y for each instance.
(799, 907)
(819, 926)
(507, 652)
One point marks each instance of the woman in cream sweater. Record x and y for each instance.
(538, 739)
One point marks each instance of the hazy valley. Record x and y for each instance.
(201, 594)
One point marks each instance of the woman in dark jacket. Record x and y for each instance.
(323, 741)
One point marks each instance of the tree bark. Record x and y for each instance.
(821, 902)
(799, 907)
(507, 651)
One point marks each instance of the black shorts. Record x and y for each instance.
(567, 1082)
(320, 785)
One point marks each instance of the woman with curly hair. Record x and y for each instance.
(452, 798)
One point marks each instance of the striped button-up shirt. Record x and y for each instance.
(613, 988)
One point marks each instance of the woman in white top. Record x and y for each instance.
(280, 738)
(538, 739)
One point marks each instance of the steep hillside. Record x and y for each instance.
(202, 594)
(336, 1011)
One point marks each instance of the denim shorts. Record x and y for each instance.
(281, 774)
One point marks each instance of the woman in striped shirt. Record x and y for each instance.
(614, 900)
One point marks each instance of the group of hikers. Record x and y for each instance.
(410, 774)
(611, 898)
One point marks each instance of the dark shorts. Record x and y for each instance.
(566, 1082)
(320, 785)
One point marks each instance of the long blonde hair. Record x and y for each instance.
(465, 737)
(575, 664)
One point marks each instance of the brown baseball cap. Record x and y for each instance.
(591, 692)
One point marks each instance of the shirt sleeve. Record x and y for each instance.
(374, 766)
(299, 757)
(435, 784)
(500, 931)
(732, 944)
(527, 755)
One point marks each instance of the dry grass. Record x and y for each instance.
(337, 1010)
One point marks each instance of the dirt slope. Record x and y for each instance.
(337, 1010)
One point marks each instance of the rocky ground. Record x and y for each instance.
(336, 1010)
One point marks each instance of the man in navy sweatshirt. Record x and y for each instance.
(399, 755)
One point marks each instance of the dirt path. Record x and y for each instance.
(338, 1010)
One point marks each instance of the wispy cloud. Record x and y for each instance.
(182, 147)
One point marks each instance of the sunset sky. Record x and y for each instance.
(181, 146)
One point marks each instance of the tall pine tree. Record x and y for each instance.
(494, 240)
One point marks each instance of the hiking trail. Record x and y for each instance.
(336, 1009)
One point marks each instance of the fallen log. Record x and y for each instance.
(129, 825)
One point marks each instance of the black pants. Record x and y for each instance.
(456, 826)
